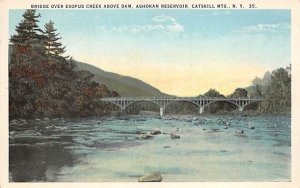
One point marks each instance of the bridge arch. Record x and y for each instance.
(221, 100)
(168, 106)
(240, 107)
(251, 102)
(148, 101)
(183, 100)
(115, 104)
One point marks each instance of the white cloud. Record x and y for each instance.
(169, 23)
(158, 23)
(218, 13)
(261, 28)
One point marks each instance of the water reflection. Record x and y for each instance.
(38, 162)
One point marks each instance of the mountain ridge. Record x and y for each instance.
(125, 85)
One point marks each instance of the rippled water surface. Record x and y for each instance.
(210, 148)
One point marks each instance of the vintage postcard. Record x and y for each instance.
(146, 91)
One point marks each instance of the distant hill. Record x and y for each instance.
(124, 85)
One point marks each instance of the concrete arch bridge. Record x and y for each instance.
(162, 102)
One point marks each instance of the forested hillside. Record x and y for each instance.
(126, 86)
(45, 83)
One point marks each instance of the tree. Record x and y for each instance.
(216, 106)
(28, 31)
(257, 92)
(53, 47)
(278, 94)
(239, 93)
(262, 81)
(44, 84)
(213, 93)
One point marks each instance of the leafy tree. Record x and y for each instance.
(239, 93)
(262, 81)
(213, 93)
(216, 106)
(278, 95)
(257, 93)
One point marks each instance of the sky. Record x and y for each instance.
(179, 51)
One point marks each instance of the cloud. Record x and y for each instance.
(158, 23)
(262, 28)
(218, 13)
(169, 23)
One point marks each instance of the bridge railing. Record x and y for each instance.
(180, 98)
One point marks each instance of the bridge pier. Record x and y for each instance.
(123, 110)
(161, 111)
(201, 110)
(241, 108)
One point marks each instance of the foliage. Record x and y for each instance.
(217, 106)
(42, 83)
(239, 93)
(53, 47)
(28, 31)
(278, 96)
(213, 93)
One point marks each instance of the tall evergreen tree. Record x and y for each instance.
(53, 47)
(28, 32)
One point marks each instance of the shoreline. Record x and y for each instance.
(118, 115)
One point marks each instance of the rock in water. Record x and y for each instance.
(239, 132)
(155, 132)
(174, 136)
(145, 136)
(153, 177)
(251, 127)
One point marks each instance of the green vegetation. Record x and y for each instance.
(126, 86)
(278, 93)
(45, 83)
(42, 82)
(274, 88)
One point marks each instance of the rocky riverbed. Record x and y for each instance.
(179, 148)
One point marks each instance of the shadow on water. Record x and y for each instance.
(38, 162)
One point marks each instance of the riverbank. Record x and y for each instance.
(117, 114)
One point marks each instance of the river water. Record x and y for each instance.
(210, 148)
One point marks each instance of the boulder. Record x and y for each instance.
(251, 127)
(153, 177)
(174, 136)
(239, 132)
(215, 130)
(155, 132)
(225, 127)
(145, 136)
